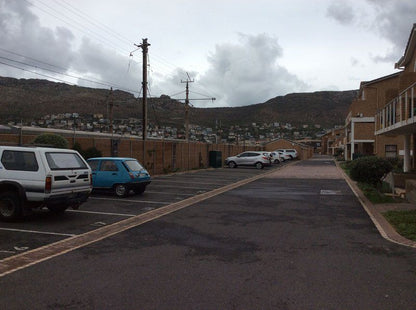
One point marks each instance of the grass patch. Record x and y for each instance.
(374, 195)
(404, 222)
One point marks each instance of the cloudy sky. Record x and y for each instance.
(239, 51)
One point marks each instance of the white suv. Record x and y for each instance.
(250, 158)
(35, 176)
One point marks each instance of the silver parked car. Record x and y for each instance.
(249, 158)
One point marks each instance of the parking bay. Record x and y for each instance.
(104, 208)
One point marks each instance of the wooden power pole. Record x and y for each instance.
(144, 46)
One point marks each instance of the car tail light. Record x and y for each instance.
(131, 175)
(48, 184)
(266, 158)
(90, 178)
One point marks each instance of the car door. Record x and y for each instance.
(107, 174)
(242, 159)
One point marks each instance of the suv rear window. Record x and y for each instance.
(63, 161)
(18, 160)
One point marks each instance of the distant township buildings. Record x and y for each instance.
(381, 121)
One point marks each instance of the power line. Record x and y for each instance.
(98, 37)
(64, 74)
(34, 72)
(95, 22)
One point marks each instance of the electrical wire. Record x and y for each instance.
(95, 22)
(84, 30)
(68, 75)
(37, 73)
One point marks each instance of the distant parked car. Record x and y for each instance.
(119, 174)
(276, 157)
(250, 158)
(292, 153)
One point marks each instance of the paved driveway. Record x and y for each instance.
(292, 240)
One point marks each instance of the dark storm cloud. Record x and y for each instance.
(341, 12)
(22, 33)
(248, 72)
(389, 19)
(394, 21)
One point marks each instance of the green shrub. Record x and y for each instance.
(369, 169)
(77, 147)
(91, 152)
(51, 140)
(397, 164)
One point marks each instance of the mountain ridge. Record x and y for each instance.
(34, 98)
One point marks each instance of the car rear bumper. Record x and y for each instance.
(68, 199)
(139, 184)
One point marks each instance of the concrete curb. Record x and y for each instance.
(386, 230)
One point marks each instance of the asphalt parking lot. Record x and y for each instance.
(103, 208)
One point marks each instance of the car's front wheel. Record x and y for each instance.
(276, 161)
(259, 165)
(232, 164)
(10, 206)
(121, 190)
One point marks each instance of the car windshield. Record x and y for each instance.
(133, 165)
(62, 161)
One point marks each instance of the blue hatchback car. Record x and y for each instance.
(120, 174)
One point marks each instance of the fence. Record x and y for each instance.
(161, 156)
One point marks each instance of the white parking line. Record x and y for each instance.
(180, 187)
(137, 201)
(192, 182)
(167, 193)
(38, 232)
(102, 213)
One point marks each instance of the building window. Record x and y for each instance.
(391, 151)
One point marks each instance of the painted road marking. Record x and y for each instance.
(35, 256)
(38, 232)
(330, 192)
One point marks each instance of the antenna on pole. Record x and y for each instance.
(188, 80)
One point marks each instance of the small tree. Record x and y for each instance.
(370, 169)
(52, 140)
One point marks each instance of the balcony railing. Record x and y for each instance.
(398, 113)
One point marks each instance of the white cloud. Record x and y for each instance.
(248, 72)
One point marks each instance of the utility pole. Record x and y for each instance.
(144, 46)
(188, 80)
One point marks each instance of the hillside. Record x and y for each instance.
(30, 99)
